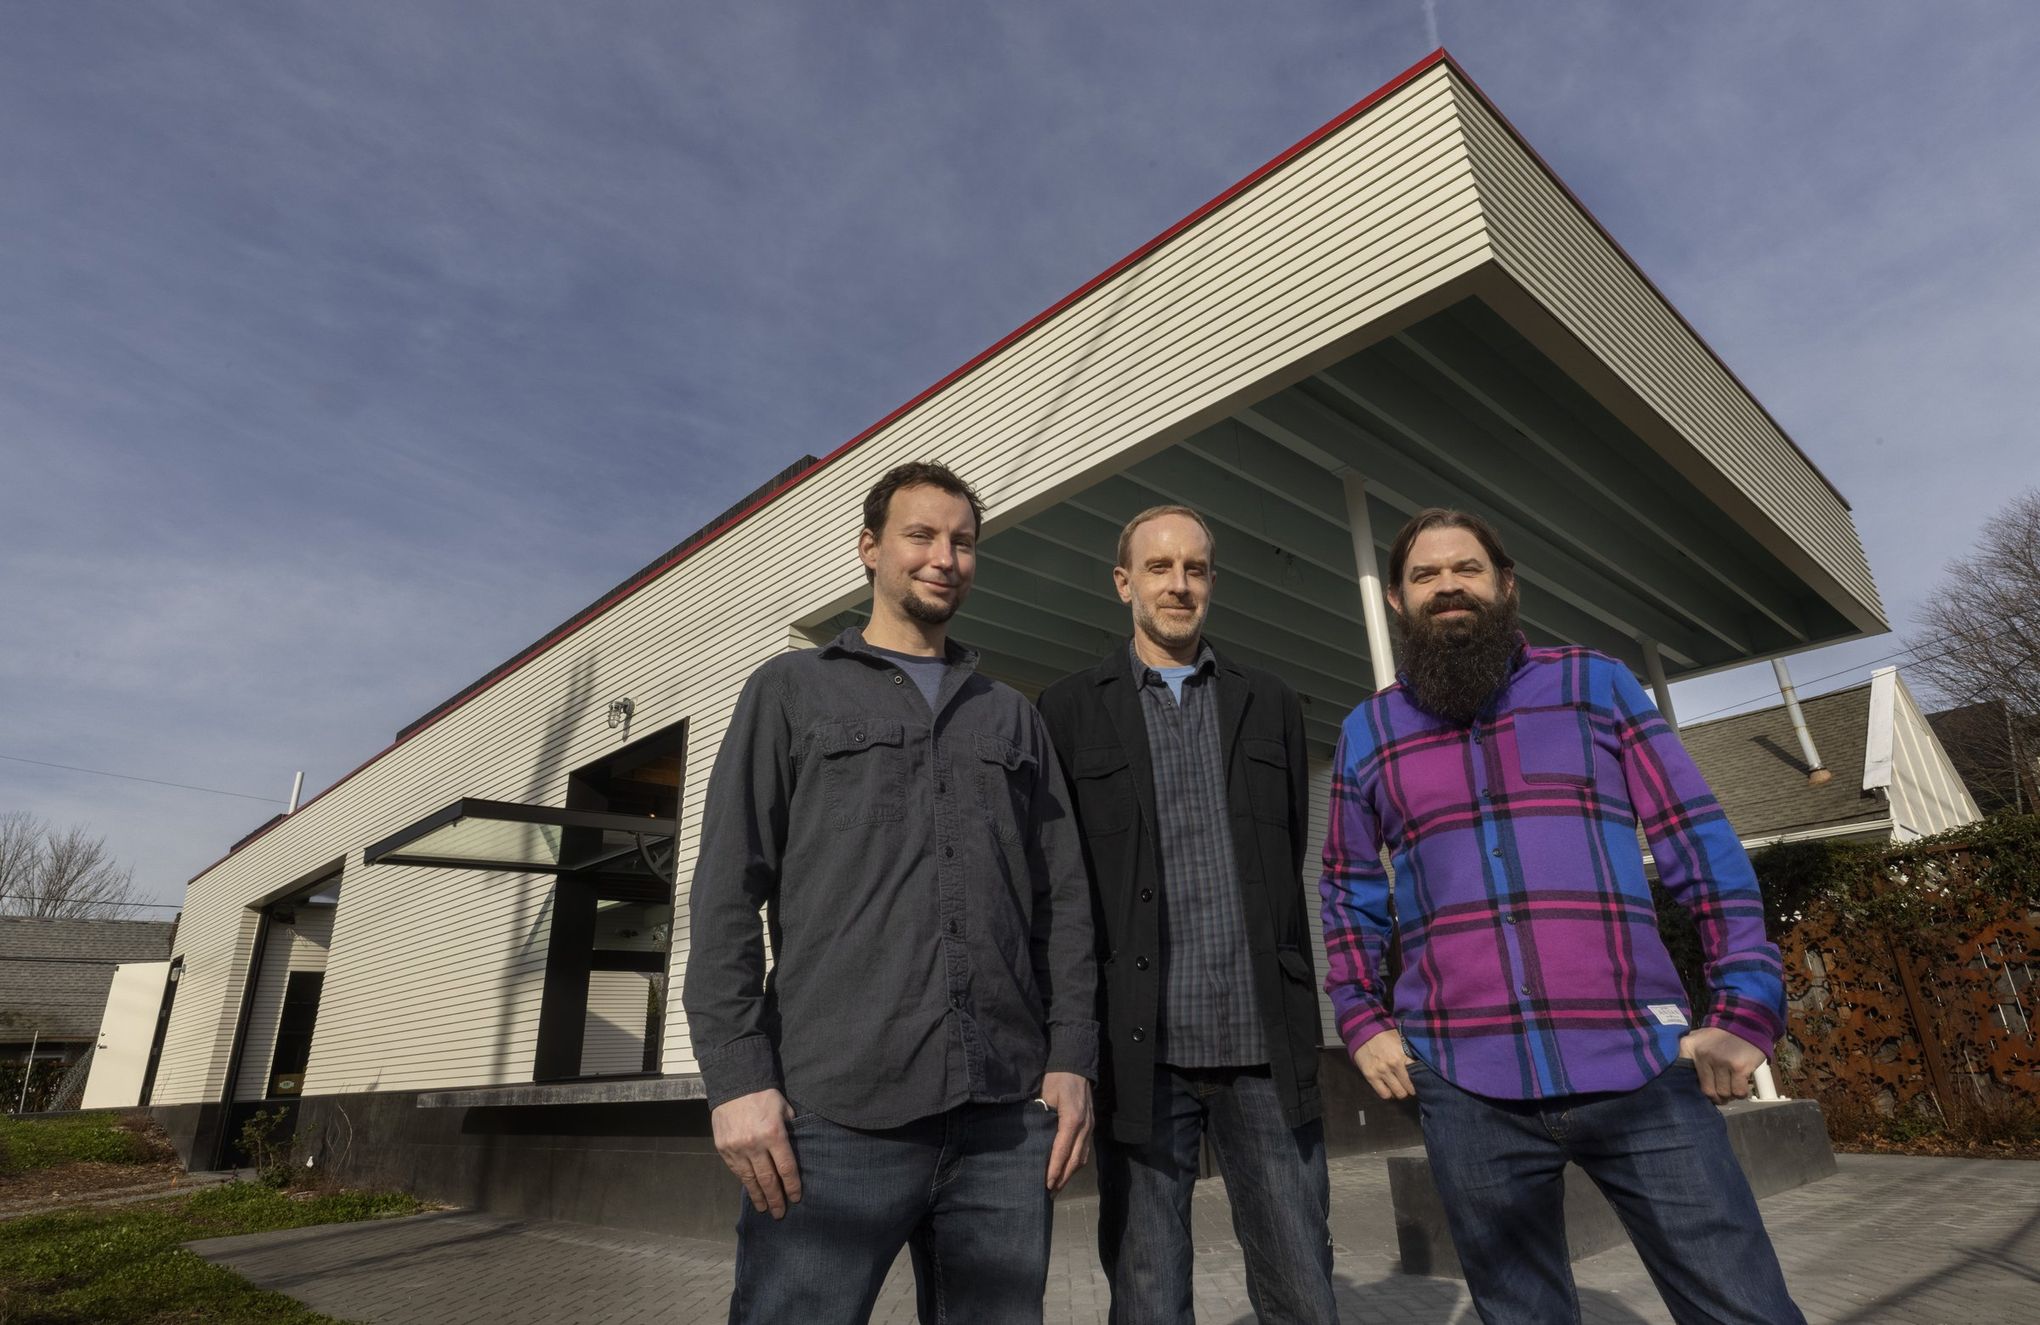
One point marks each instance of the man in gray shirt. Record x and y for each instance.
(916, 1068)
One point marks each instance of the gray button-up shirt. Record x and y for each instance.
(923, 888)
(1210, 1017)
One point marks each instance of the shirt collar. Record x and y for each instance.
(1144, 675)
(852, 644)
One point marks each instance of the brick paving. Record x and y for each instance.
(1889, 1239)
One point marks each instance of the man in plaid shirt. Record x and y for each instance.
(1538, 1018)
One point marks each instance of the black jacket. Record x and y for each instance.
(1100, 734)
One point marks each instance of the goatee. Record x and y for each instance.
(927, 613)
(1453, 668)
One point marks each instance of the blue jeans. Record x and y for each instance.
(966, 1190)
(1660, 1154)
(1274, 1177)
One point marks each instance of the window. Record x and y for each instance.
(294, 1033)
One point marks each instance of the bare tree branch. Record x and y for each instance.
(67, 875)
(1979, 644)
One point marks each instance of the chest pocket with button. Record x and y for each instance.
(1005, 785)
(864, 770)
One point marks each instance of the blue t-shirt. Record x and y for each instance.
(925, 673)
(1175, 677)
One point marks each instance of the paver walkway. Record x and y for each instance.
(1921, 1241)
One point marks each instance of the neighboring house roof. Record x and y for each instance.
(1753, 763)
(54, 974)
(1986, 744)
(1892, 779)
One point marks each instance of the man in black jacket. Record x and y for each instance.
(1190, 785)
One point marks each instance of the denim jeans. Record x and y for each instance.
(965, 1190)
(1660, 1154)
(1274, 1177)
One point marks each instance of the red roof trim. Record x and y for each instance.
(659, 568)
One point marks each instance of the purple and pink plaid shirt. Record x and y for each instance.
(1532, 965)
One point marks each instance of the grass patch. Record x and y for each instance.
(27, 1144)
(81, 1267)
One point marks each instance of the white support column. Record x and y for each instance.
(1654, 666)
(1766, 1086)
(1373, 608)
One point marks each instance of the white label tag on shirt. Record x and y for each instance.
(1668, 1014)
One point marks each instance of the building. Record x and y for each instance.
(1407, 308)
(1996, 751)
(55, 975)
(1892, 780)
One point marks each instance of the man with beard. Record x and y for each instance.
(1538, 1018)
(1190, 780)
(916, 1069)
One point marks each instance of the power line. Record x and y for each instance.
(130, 777)
(1902, 653)
(2024, 619)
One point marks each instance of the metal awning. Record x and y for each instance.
(480, 834)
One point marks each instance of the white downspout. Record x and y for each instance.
(1373, 607)
(1817, 774)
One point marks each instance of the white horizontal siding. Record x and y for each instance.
(435, 976)
(215, 936)
(1546, 243)
(613, 1040)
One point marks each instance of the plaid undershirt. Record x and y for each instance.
(1210, 1017)
(1532, 965)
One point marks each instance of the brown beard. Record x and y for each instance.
(931, 614)
(1452, 669)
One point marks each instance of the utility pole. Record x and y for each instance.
(27, 1071)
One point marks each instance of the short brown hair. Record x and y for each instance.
(917, 474)
(1440, 517)
(1156, 513)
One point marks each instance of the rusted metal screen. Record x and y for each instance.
(1908, 1031)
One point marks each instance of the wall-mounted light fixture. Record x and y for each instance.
(620, 711)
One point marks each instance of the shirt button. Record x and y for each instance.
(956, 1001)
(857, 735)
(1496, 853)
(1147, 894)
(1508, 920)
(1522, 989)
(1139, 1034)
(897, 679)
(1140, 963)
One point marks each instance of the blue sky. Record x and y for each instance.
(346, 348)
